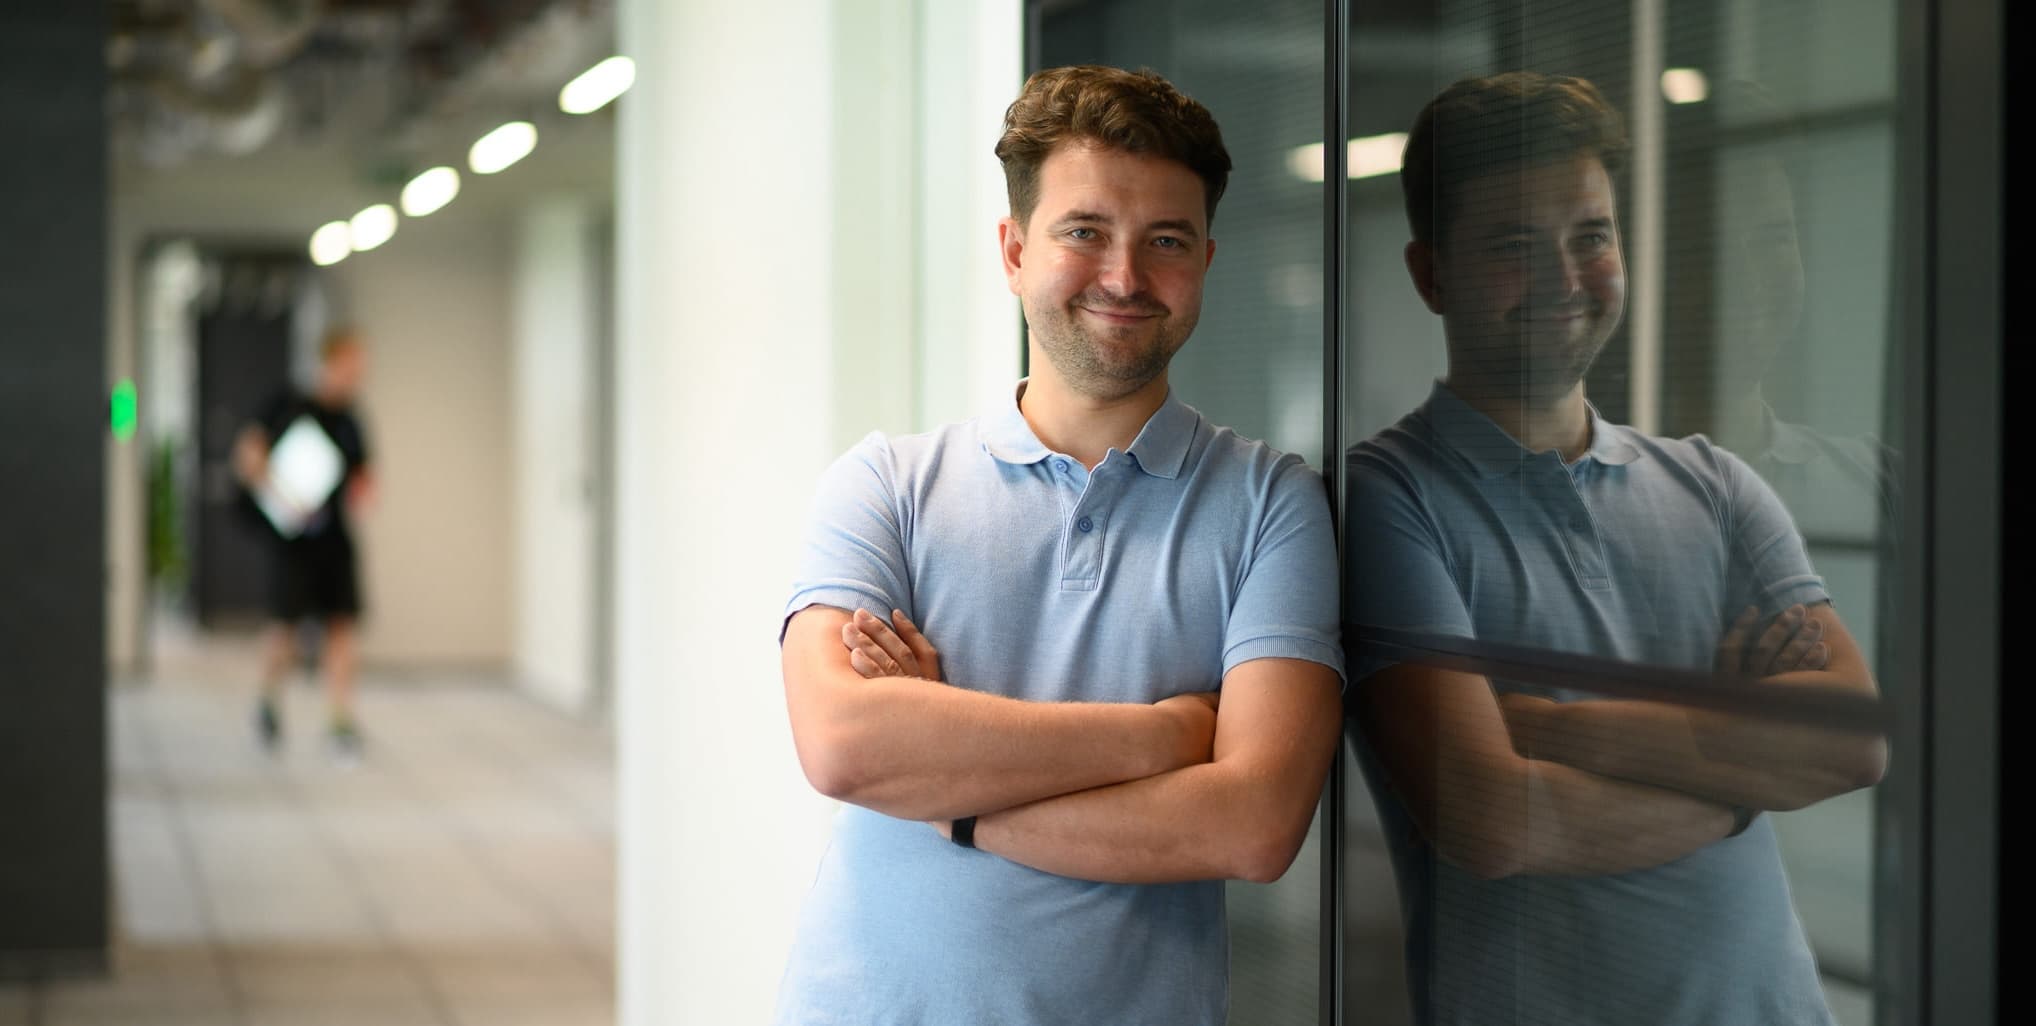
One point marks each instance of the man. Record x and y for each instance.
(1564, 858)
(313, 569)
(1042, 838)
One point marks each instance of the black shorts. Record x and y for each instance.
(315, 577)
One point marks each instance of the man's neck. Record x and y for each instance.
(1562, 424)
(1082, 426)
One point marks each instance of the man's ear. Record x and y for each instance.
(1011, 243)
(1420, 258)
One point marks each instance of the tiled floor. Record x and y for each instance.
(462, 874)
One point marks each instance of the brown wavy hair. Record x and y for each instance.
(1133, 111)
(1500, 123)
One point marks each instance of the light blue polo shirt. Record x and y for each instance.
(1643, 550)
(1192, 551)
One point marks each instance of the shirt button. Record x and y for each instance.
(1085, 525)
(1060, 465)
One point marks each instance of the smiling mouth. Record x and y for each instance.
(1121, 315)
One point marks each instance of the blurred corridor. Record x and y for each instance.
(463, 874)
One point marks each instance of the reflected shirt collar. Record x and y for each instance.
(1786, 443)
(1493, 452)
(1160, 449)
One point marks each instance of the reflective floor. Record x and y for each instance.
(462, 873)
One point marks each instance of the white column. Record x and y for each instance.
(970, 65)
(553, 338)
(778, 179)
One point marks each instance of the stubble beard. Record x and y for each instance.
(1110, 364)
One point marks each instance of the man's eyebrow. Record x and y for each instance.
(1507, 228)
(1178, 224)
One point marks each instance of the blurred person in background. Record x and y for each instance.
(313, 566)
(1566, 858)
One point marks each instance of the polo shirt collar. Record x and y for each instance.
(1492, 451)
(1160, 449)
(1007, 437)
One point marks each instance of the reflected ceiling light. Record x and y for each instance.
(1376, 155)
(372, 227)
(597, 85)
(502, 147)
(1684, 85)
(331, 243)
(1306, 162)
(429, 191)
(1364, 157)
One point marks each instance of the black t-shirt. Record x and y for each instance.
(339, 424)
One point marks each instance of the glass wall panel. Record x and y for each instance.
(1619, 510)
(1255, 361)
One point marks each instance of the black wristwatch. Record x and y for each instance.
(963, 831)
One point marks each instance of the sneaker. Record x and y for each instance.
(346, 743)
(268, 725)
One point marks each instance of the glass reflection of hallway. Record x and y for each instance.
(461, 874)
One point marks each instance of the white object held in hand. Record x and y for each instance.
(305, 468)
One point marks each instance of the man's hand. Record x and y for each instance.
(875, 650)
(1792, 641)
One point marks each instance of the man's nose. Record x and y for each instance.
(1558, 274)
(1123, 271)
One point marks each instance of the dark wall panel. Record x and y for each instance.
(53, 416)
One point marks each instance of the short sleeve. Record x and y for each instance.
(1770, 566)
(854, 555)
(1398, 574)
(1286, 607)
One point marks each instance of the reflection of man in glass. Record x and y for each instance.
(1095, 558)
(1566, 859)
(313, 563)
(1846, 482)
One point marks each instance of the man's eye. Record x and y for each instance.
(1081, 234)
(1595, 240)
(1168, 242)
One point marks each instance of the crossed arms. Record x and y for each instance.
(1182, 789)
(1506, 785)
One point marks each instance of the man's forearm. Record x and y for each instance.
(1567, 822)
(1740, 760)
(922, 750)
(1205, 822)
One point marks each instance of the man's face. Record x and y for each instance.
(1528, 278)
(1761, 292)
(1109, 267)
(344, 370)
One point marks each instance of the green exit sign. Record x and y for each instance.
(125, 409)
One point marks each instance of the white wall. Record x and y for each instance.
(554, 339)
(436, 553)
(777, 289)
